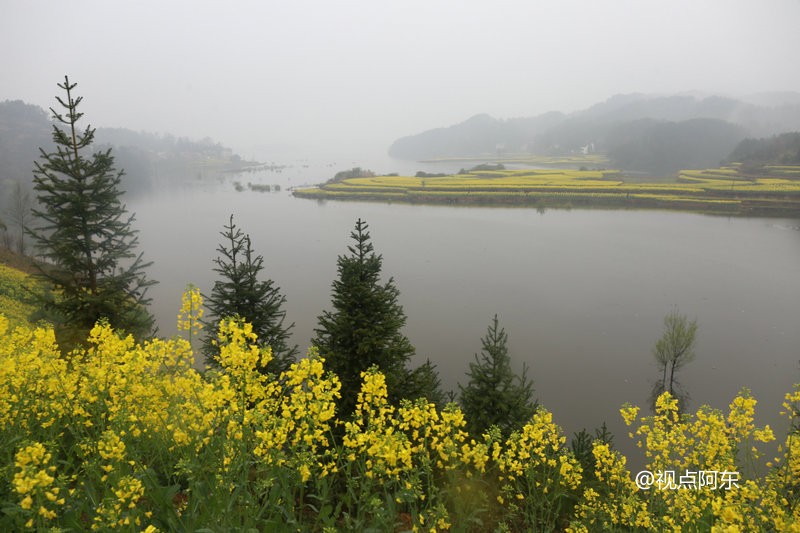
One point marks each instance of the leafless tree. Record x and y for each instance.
(676, 346)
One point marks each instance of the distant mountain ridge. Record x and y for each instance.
(670, 132)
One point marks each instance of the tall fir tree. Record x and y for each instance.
(239, 293)
(495, 395)
(364, 328)
(85, 236)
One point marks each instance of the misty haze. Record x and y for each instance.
(580, 171)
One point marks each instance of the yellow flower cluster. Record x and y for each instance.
(707, 441)
(436, 439)
(191, 310)
(537, 473)
(305, 397)
(614, 502)
(34, 482)
(374, 433)
(119, 510)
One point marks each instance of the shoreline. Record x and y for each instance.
(732, 208)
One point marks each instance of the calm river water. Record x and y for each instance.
(581, 294)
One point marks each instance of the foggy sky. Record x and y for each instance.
(311, 75)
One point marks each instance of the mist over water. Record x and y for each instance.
(581, 294)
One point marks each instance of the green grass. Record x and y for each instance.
(729, 190)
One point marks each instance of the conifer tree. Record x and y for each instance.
(494, 394)
(84, 234)
(364, 327)
(424, 382)
(239, 293)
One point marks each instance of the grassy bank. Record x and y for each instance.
(728, 190)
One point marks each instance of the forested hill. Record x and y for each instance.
(479, 134)
(148, 159)
(23, 129)
(783, 149)
(638, 132)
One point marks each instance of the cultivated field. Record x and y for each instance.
(771, 190)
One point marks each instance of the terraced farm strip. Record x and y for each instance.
(727, 190)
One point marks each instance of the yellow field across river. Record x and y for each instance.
(771, 190)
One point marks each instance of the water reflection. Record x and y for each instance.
(678, 392)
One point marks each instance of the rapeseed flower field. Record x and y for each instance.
(132, 437)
